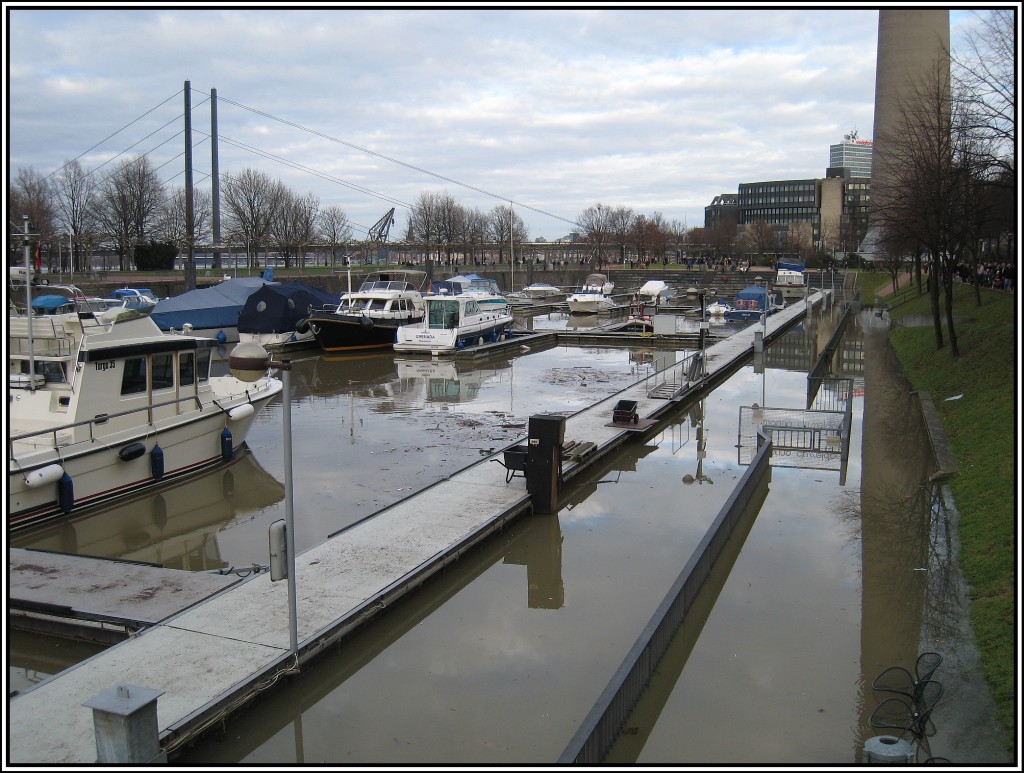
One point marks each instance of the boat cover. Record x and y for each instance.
(278, 308)
(207, 307)
(752, 298)
(792, 265)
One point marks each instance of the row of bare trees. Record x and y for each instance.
(949, 170)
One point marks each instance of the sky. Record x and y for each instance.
(553, 110)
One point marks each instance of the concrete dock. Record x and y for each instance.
(213, 656)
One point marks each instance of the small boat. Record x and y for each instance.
(273, 315)
(141, 299)
(207, 312)
(654, 294)
(751, 302)
(105, 406)
(719, 309)
(453, 323)
(790, 279)
(370, 317)
(594, 296)
(541, 291)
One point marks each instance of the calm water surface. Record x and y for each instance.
(499, 659)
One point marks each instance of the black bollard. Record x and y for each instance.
(544, 461)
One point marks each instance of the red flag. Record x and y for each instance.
(39, 257)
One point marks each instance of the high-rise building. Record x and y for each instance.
(852, 153)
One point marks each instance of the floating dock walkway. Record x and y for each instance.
(212, 657)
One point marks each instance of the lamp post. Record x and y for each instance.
(249, 361)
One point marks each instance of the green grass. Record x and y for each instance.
(981, 426)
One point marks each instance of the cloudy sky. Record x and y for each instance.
(657, 109)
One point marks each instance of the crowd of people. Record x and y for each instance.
(998, 276)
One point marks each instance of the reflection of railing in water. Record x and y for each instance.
(824, 363)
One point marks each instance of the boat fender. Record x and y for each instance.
(131, 451)
(225, 444)
(221, 338)
(366, 322)
(241, 412)
(156, 462)
(66, 493)
(302, 326)
(44, 475)
(494, 336)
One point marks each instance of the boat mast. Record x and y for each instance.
(511, 247)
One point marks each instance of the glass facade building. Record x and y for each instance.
(852, 154)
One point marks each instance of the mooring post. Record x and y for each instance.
(544, 461)
(125, 721)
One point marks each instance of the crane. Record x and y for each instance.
(378, 233)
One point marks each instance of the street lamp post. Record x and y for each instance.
(249, 361)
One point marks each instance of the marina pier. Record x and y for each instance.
(213, 657)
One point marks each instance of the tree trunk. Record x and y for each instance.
(933, 289)
(954, 350)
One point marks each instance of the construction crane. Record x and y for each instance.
(378, 234)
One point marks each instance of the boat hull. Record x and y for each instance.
(416, 338)
(342, 332)
(106, 468)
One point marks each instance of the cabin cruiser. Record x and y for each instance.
(142, 299)
(593, 297)
(791, 280)
(370, 317)
(102, 406)
(541, 291)
(452, 323)
(486, 291)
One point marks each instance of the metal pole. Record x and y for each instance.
(289, 511)
(28, 306)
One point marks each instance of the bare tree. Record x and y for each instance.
(335, 229)
(251, 199)
(30, 195)
(128, 203)
(984, 80)
(622, 224)
(475, 228)
(501, 221)
(172, 222)
(423, 223)
(75, 200)
(597, 225)
(294, 225)
(761, 237)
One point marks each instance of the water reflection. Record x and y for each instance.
(177, 527)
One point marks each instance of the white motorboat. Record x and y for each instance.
(452, 323)
(370, 317)
(719, 309)
(541, 291)
(593, 297)
(486, 291)
(102, 406)
(139, 298)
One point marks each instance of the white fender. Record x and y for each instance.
(241, 412)
(44, 476)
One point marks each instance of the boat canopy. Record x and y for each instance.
(207, 307)
(752, 298)
(278, 308)
(792, 265)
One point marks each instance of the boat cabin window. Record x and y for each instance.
(52, 372)
(203, 357)
(133, 379)
(375, 304)
(444, 315)
(163, 371)
(187, 368)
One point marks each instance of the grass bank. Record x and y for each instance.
(982, 429)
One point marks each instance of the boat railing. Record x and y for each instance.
(64, 434)
(50, 337)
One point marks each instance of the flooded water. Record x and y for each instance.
(498, 659)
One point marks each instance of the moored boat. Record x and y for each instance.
(370, 317)
(273, 315)
(207, 311)
(452, 323)
(593, 296)
(141, 299)
(104, 406)
(790, 279)
(541, 291)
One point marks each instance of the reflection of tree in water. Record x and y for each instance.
(944, 599)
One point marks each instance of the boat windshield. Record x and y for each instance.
(443, 315)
